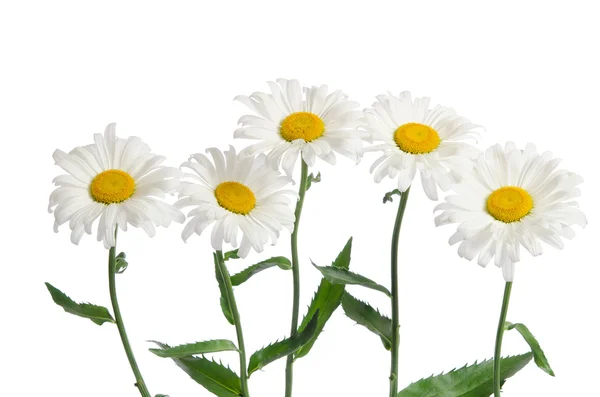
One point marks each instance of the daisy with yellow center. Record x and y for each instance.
(414, 137)
(235, 193)
(512, 198)
(117, 180)
(292, 119)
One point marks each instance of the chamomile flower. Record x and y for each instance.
(236, 193)
(512, 198)
(293, 119)
(117, 180)
(415, 137)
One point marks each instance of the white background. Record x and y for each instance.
(168, 72)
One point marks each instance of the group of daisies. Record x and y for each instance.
(505, 197)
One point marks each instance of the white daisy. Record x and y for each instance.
(294, 119)
(512, 198)
(418, 138)
(237, 193)
(118, 180)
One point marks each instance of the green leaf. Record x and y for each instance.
(476, 380)
(225, 304)
(215, 377)
(209, 346)
(538, 354)
(161, 395)
(337, 275)
(388, 196)
(283, 348)
(312, 179)
(97, 314)
(121, 263)
(365, 315)
(231, 255)
(241, 277)
(326, 300)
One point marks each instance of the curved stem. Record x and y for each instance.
(139, 380)
(499, 335)
(236, 320)
(289, 369)
(395, 315)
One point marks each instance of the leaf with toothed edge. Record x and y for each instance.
(98, 314)
(189, 349)
(469, 381)
(231, 255)
(370, 318)
(279, 261)
(283, 348)
(538, 354)
(342, 276)
(224, 301)
(215, 377)
(326, 300)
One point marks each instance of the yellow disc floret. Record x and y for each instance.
(509, 204)
(416, 138)
(112, 186)
(302, 125)
(235, 197)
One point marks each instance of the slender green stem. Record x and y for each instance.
(139, 381)
(499, 335)
(289, 369)
(236, 320)
(395, 315)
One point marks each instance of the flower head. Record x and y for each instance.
(294, 119)
(118, 180)
(512, 198)
(235, 193)
(415, 137)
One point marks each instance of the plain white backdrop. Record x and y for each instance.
(168, 72)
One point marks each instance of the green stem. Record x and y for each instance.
(236, 320)
(499, 335)
(395, 315)
(289, 369)
(139, 380)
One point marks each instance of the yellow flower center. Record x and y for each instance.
(416, 138)
(112, 186)
(509, 204)
(235, 197)
(302, 125)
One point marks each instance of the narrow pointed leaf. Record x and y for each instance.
(231, 255)
(241, 277)
(121, 263)
(538, 354)
(98, 314)
(283, 348)
(342, 276)
(469, 381)
(326, 300)
(313, 179)
(224, 301)
(216, 378)
(389, 195)
(209, 346)
(365, 315)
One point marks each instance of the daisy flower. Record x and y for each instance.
(415, 137)
(294, 119)
(512, 198)
(117, 180)
(235, 193)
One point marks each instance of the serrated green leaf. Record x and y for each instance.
(326, 300)
(370, 318)
(231, 255)
(389, 195)
(161, 395)
(190, 349)
(283, 348)
(98, 314)
(121, 263)
(215, 378)
(337, 275)
(538, 354)
(224, 301)
(312, 179)
(476, 380)
(241, 277)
